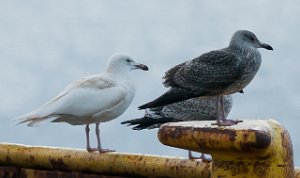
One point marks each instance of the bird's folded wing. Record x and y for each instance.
(212, 70)
(85, 98)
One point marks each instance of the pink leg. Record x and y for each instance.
(99, 148)
(221, 120)
(87, 134)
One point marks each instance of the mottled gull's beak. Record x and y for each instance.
(266, 46)
(141, 66)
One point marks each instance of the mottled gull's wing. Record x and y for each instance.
(82, 98)
(206, 75)
(208, 72)
(192, 109)
(201, 108)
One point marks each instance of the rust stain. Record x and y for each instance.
(58, 164)
(31, 158)
(8, 160)
(235, 167)
(288, 155)
(261, 168)
(9, 172)
(263, 140)
(207, 138)
(177, 133)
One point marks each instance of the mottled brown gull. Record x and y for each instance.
(93, 99)
(194, 109)
(216, 73)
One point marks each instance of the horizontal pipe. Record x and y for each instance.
(122, 164)
(16, 172)
(252, 148)
(246, 137)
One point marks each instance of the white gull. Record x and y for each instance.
(93, 99)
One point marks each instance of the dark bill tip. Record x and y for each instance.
(141, 66)
(266, 46)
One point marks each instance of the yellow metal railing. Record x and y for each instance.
(130, 165)
(254, 149)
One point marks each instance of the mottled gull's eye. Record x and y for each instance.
(251, 38)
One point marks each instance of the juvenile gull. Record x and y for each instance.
(194, 109)
(216, 73)
(93, 99)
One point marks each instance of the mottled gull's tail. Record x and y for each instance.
(147, 122)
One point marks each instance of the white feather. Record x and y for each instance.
(93, 99)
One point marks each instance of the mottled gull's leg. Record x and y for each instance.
(204, 159)
(221, 101)
(99, 148)
(221, 120)
(219, 112)
(221, 107)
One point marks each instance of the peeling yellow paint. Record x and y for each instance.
(104, 163)
(253, 148)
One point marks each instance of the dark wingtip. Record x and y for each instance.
(144, 106)
(141, 107)
(124, 122)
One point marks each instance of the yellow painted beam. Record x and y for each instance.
(122, 164)
(297, 172)
(15, 172)
(253, 148)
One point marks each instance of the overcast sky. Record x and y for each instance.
(45, 45)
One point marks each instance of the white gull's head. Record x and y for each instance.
(123, 63)
(247, 39)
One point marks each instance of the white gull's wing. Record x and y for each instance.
(84, 97)
(88, 97)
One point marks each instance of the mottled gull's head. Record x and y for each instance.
(246, 39)
(122, 63)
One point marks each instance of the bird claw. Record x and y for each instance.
(227, 122)
(202, 157)
(205, 159)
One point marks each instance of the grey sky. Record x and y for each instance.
(45, 45)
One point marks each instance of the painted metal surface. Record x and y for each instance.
(253, 148)
(15, 172)
(117, 164)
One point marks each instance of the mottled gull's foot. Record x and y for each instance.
(202, 157)
(226, 122)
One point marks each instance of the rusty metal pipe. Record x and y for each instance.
(253, 148)
(122, 164)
